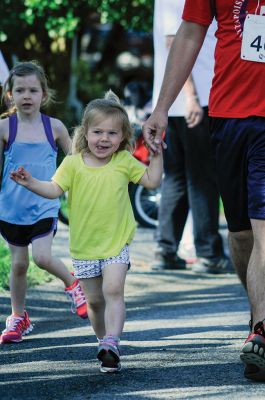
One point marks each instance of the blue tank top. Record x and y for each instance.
(17, 204)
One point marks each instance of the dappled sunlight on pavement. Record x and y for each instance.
(182, 338)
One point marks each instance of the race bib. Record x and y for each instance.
(253, 42)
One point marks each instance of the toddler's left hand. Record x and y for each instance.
(21, 176)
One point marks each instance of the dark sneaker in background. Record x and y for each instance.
(168, 261)
(221, 265)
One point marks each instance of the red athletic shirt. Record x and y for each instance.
(238, 89)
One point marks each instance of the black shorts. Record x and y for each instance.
(239, 148)
(23, 235)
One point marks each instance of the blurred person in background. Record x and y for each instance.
(4, 71)
(190, 179)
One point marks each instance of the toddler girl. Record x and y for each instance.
(101, 219)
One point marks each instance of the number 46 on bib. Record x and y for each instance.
(253, 42)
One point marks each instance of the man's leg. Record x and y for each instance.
(256, 272)
(203, 194)
(253, 351)
(240, 246)
(173, 209)
(171, 225)
(239, 148)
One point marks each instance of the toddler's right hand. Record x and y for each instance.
(21, 176)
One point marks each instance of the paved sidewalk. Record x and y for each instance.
(182, 339)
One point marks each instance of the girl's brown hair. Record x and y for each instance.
(21, 69)
(109, 106)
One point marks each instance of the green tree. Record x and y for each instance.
(63, 17)
(49, 31)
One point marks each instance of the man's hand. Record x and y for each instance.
(194, 112)
(153, 129)
(21, 176)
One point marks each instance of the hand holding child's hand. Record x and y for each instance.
(159, 148)
(21, 176)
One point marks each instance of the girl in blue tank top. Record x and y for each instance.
(30, 138)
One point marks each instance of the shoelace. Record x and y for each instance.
(13, 322)
(109, 340)
(77, 298)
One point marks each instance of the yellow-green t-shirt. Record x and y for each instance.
(101, 218)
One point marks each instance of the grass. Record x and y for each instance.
(64, 206)
(35, 275)
(221, 207)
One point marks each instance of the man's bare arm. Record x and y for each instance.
(194, 112)
(182, 56)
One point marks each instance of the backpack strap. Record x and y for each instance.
(48, 130)
(12, 130)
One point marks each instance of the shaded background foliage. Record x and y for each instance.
(50, 31)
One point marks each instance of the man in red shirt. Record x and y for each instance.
(237, 111)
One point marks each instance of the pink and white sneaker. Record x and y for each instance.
(109, 354)
(16, 327)
(77, 298)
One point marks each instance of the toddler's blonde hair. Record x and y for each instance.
(109, 106)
